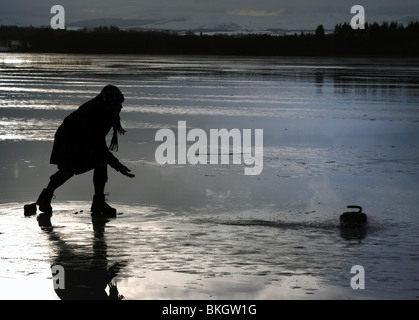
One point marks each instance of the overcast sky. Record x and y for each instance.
(285, 13)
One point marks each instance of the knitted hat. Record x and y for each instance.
(112, 95)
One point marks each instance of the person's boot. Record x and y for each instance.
(44, 221)
(100, 207)
(44, 201)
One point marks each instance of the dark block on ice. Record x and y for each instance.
(29, 209)
(353, 219)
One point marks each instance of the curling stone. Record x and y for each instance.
(353, 219)
(29, 209)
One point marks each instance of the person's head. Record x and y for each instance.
(112, 98)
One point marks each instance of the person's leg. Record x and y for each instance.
(56, 180)
(100, 177)
(99, 205)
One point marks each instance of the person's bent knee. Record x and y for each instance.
(100, 173)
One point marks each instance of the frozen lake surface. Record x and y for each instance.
(337, 132)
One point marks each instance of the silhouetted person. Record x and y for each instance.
(80, 146)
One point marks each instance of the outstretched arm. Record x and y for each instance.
(118, 166)
(125, 171)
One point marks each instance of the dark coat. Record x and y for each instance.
(80, 141)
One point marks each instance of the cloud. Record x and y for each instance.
(256, 13)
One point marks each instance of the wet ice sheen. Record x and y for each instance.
(336, 132)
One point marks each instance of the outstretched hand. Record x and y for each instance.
(126, 172)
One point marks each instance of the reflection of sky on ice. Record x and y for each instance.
(187, 86)
(336, 132)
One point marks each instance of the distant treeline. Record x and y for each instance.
(387, 39)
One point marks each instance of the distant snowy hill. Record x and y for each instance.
(199, 25)
(233, 24)
(120, 23)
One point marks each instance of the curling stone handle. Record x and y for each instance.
(355, 207)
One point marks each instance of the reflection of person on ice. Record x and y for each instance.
(80, 146)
